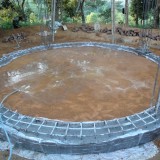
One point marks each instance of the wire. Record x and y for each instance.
(8, 139)
(3, 126)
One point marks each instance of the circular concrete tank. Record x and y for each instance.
(78, 135)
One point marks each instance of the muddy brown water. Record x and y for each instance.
(79, 84)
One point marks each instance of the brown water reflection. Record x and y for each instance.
(79, 84)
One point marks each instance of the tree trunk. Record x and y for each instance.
(22, 15)
(136, 20)
(57, 14)
(82, 11)
(53, 11)
(23, 12)
(126, 12)
(23, 2)
(61, 10)
(113, 20)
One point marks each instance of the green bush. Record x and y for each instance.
(33, 18)
(119, 18)
(92, 17)
(7, 16)
(131, 21)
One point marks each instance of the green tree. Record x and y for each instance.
(157, 14)
(92, 17)
(99, 8)
(6, 17)
(69, 7)
(136, 10)
(16, 6)
(81, 9)
(19, 8)
(145, 9)
(106, 14)
(105, 11)
(6, 4)
(59, 6)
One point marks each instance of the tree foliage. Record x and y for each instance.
(136, 10)
(69, 7)
(6, 4)
(157, 14)
(83, 10)
(145, 9)
(16, 6)
(92, 17)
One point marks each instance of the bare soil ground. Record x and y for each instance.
(4, 156)
(34, 39)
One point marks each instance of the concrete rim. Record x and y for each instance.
(54, 136)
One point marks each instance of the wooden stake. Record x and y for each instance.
(113, 20)
(53, 8)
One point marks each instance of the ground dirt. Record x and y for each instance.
(138, 97)
(4, 156)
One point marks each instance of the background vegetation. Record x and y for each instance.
(28, 12)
